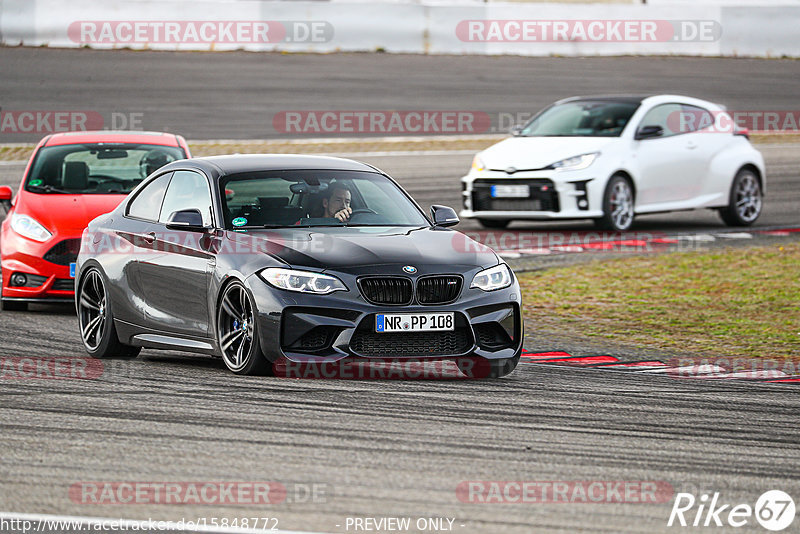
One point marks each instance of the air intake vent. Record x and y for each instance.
(412, 344)
(64, 284)
(64, 252)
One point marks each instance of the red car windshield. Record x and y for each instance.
(102, 168)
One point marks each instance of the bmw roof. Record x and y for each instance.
(244, 163)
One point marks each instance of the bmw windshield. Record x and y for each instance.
(300, 198)
(102, 168)
(582, 118)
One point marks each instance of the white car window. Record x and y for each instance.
(667, 116)
(695, 118)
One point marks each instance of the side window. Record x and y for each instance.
(668, 116)
(694, 118)
(147, 203)
(187, 190)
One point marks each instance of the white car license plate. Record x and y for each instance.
(511, 191)
(414, 322)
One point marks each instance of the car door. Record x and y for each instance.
(669, 164)
(706, 140)
(177, 276)
(137, 242)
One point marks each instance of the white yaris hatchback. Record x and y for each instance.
(610, 158)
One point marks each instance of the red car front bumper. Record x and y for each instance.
(22, 255)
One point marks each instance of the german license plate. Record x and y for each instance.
(72, 270)
(414, 322)
(511, 191)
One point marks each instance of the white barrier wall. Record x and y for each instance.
(436, 28)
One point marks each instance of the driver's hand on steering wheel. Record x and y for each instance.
(343, 215)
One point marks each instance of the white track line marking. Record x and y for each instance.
(704, 369)
(698, 237)
(69, 521)
(736, 235)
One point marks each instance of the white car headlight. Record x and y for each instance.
(302, 281)
(478, 164)
(493, 278)
(575, 163)
(29, 227)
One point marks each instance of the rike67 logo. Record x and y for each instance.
(774, 510)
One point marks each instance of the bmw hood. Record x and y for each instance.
(358, 249)
(531, 153)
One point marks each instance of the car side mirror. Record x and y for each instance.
(190, 220)
(516, 130)
(5, 196)
(648, 132)
(443, 216)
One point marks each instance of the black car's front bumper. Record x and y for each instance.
(325, 328)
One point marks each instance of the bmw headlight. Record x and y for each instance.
(575, 163)
(29, 227)
(302, 281)
(493, 278)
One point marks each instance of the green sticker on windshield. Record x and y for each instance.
(36, 182)
(239, 221)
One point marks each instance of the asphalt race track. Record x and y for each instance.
(236, 95)
(387, 448)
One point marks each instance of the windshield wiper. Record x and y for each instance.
(48, 189)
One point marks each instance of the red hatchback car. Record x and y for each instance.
(70, 179)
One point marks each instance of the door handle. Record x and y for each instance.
(691, 146)
(149, 238)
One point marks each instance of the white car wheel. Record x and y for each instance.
(617, 205)
(745, 200)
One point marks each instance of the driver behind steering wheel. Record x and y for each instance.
(151, 162)
(336, 202)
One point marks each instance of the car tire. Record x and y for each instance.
(478, 367)
(497, 224)
(13, 305)
(617, 205)
(745, 200)
(96, 319)
(237, 332)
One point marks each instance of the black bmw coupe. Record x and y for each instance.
(260, 258)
